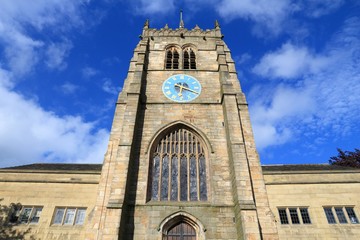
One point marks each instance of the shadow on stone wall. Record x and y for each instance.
(8, 224)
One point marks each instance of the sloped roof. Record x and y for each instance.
(58, 167)
(305, 167)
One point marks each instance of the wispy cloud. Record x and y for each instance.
(88, 72)
(322, 101)
(109, 87)
(23, 49)
(146, 7)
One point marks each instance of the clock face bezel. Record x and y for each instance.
(191, 88)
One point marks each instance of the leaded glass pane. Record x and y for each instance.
(329, 215)
(340, 214)
(193, 179)
(156, 174)
(36, 215)
(202, 178)
(174, 179)
(80, 217)
(25, 215)
(183, 179)
(294, 216)
(165, 178)
(351, 214)
(69, 216)
(59, 215)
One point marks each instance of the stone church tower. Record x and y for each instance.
(181, 161)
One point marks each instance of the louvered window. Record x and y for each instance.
(179, 168)
(172, 59)
(189, 59)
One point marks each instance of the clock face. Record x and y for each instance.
(181, 88)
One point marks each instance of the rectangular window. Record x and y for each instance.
(351, 214)
(293, 213)
(305, 216)
(283, 216)
(25, 214)
(329, 215)
(69, 216)
(294, 216)
(340, 215)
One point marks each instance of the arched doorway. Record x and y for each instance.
(181, 231)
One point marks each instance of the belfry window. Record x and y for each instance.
(172, 58)
(178, 170)
(189, 59)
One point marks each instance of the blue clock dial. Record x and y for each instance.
(181, 88)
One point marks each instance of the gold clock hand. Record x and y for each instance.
(190, 90)
(181, 88)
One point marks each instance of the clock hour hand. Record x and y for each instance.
(181, 88)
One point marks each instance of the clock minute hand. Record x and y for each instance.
(190, 90)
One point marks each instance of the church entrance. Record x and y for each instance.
(181, 231)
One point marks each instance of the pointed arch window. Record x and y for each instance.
(178, 168)
(172, 58)
(189, 59)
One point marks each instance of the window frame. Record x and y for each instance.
(63, 219)
(34, 213)
(341, 215)
(294, 216)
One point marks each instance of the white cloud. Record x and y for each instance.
(19, 19)
(88, 72)
(152, 7)
(260, 11)
(290, 62)
(43, 136)
(324, 103)
(109, 87)
(68, 88)
(56, 54)
(318, 8)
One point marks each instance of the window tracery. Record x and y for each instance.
(178, 170)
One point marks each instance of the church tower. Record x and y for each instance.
(181, 161)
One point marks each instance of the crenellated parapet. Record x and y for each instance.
(181, 31)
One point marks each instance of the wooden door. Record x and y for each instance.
(181, 231)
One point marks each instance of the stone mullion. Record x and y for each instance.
(197, 171)
(160, 168)
(170, 164)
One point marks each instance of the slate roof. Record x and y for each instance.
(305, 167)
(58, 166)
(97, 167)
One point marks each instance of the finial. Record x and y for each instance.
(146, 24)
(181, 20)
(217, 26)
(166, 26)
(196, 27)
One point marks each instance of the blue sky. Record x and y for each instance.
(63, 62)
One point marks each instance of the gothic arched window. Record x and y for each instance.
(178, 168)
(172, 58)
(189, 59)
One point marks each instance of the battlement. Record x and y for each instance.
(181, 31)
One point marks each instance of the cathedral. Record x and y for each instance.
(181, 164)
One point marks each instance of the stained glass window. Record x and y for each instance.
(179, 168)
